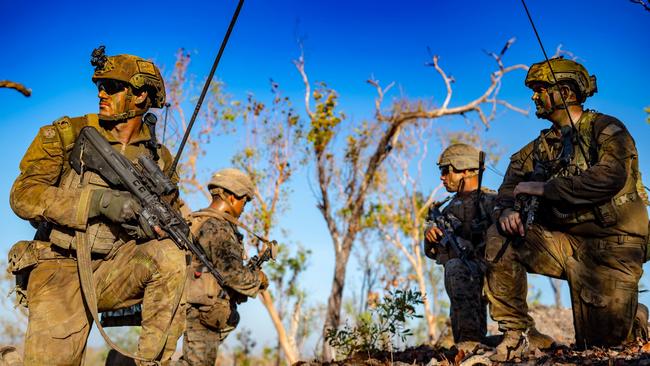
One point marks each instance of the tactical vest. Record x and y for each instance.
(202, 287)
(626, 202)
(102, 234)
(463, 210)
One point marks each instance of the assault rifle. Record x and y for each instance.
(269, 251)
(146, 182)
(527, 205)
(449, 240)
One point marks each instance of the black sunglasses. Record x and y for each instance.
(111, 86)
(444, 170)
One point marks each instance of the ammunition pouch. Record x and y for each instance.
(605, 215)
(203, 288)
(22, 258)
(222, 316)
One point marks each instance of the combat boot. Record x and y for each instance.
(538, 340)
(514, 345)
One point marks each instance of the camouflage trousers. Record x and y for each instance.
(148, 273)
(603, 276)
(468, 308)
(202, 338)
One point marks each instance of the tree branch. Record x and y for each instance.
(16, 86)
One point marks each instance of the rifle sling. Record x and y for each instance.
(84, 266)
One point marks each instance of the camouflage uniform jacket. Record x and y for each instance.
(48, 189)
(597, 199)
(462, 210)
(224, 247)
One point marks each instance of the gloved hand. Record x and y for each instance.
(264, 281)
(116, 206)
(141, 231)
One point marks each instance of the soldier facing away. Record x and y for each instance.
(590, 223)
(212, 308)
(130, 266)
(469, 215)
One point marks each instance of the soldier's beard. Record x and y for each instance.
(541, 110)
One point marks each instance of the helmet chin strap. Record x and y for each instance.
(123, 116)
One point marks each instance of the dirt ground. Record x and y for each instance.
(558, 323)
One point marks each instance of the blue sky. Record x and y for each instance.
(46, 46)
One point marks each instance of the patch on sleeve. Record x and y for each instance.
(611, 130)
(48, 134)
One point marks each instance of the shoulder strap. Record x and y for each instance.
(196, 221)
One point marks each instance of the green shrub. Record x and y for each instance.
(378, 328)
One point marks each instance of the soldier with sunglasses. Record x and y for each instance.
(459, 172)
(470, 214)
(131, 263)
(590, 226)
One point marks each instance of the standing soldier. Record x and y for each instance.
(581, 216)
(83, 210)
(212, 307)
(467, 217)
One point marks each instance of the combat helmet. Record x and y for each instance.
(234, 181)
(460, 156)
(133, 70)
(565, 71)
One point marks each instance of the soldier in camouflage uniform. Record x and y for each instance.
(212, 308)
(590, 225)
(129, 266)
(459, 172)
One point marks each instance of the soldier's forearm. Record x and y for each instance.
(65, 207)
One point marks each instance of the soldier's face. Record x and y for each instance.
(238, 205)
(112, 97)
(451, 178)
(542, 101)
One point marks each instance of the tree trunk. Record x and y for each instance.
(428, 314)
(333, 316)
(290, 354)
(556, 285)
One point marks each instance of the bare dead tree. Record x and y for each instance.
(365, 153)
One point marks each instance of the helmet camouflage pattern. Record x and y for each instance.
(460, 156)
(564, 70)
(234, 181)
(134, 70)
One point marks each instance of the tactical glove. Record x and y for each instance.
(264, 281)
(141, 231)
(116, 206)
